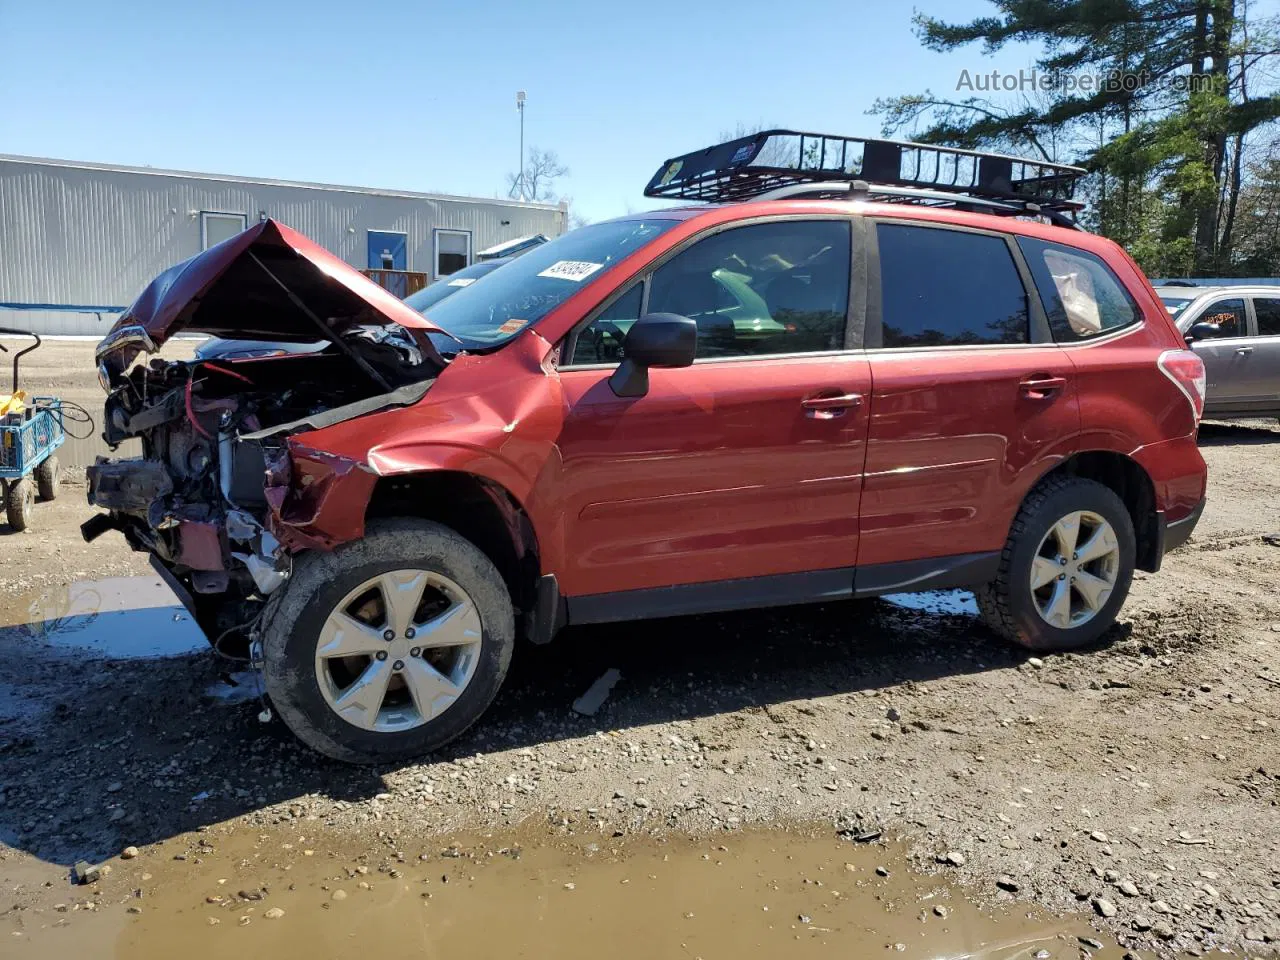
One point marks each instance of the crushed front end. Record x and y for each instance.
(223, 493)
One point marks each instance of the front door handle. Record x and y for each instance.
(828, 406)
(1041, 386)
(1244, 351)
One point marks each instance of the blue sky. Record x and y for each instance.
(420, 96)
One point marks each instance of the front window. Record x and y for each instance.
(527, 289)
(1175, 305)
(1227, 317)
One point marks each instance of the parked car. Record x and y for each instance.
(217, 348)
(1236, 332)
(914, 395)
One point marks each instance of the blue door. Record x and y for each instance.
(389, 251)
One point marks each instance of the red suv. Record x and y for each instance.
(824, 388)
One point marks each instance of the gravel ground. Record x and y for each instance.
(1139, 782)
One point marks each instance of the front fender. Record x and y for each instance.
(497, 417)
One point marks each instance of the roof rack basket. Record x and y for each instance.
(769, 161)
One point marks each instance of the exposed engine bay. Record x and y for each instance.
(208, 494)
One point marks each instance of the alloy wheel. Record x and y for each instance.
(1075, 569)
(398, 650)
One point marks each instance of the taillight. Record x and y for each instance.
(1186, 370)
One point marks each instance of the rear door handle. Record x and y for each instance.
(1041, 386)
(1244, 351)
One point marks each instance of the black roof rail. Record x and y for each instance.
(763, 163)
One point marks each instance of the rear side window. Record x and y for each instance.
(944, 287)
(1268, 313)
(1082, 297)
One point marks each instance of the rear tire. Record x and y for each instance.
(460, 625)
(1046, 597)
(48, 477)
(19, 502)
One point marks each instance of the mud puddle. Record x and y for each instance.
(114, 617)
(767, 893)
(956, 603)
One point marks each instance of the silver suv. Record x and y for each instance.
(1236, 332)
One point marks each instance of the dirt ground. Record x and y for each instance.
(1135, 786)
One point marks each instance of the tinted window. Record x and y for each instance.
(947, 287)
(1175, 305)
(764, 289)
(1082, 297)
(1268, 313)
(1227, 316)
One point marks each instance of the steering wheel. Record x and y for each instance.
(607, 328)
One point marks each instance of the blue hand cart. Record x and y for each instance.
(31, 429)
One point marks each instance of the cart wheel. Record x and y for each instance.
(18, 503)
(48, 476)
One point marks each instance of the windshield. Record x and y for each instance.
(448, 286)
(498, 307)
(1175, 305)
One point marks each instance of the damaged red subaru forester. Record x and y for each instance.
(865, 367)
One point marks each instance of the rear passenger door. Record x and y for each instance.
(970, 399)
(1264, 379)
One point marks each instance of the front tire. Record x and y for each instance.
(1066, 568)
(391, 646)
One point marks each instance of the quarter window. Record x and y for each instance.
(1268, 314)
(944, 287)
(601, 340)
(1082, 298)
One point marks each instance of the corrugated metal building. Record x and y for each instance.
(78, 241)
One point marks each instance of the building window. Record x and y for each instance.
(216, 227)
(388, 250)
(453, 251)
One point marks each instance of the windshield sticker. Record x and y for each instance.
(513, 325)
(462, 282)
(742, 154)
(575, 270)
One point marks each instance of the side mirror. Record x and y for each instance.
(1203, 331)
(655, 340)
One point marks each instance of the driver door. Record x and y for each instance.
(745, 466)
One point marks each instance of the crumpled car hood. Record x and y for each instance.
(225, 291)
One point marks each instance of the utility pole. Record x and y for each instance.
(520, 98)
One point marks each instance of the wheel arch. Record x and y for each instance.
(1132, 484)
(477, 508)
